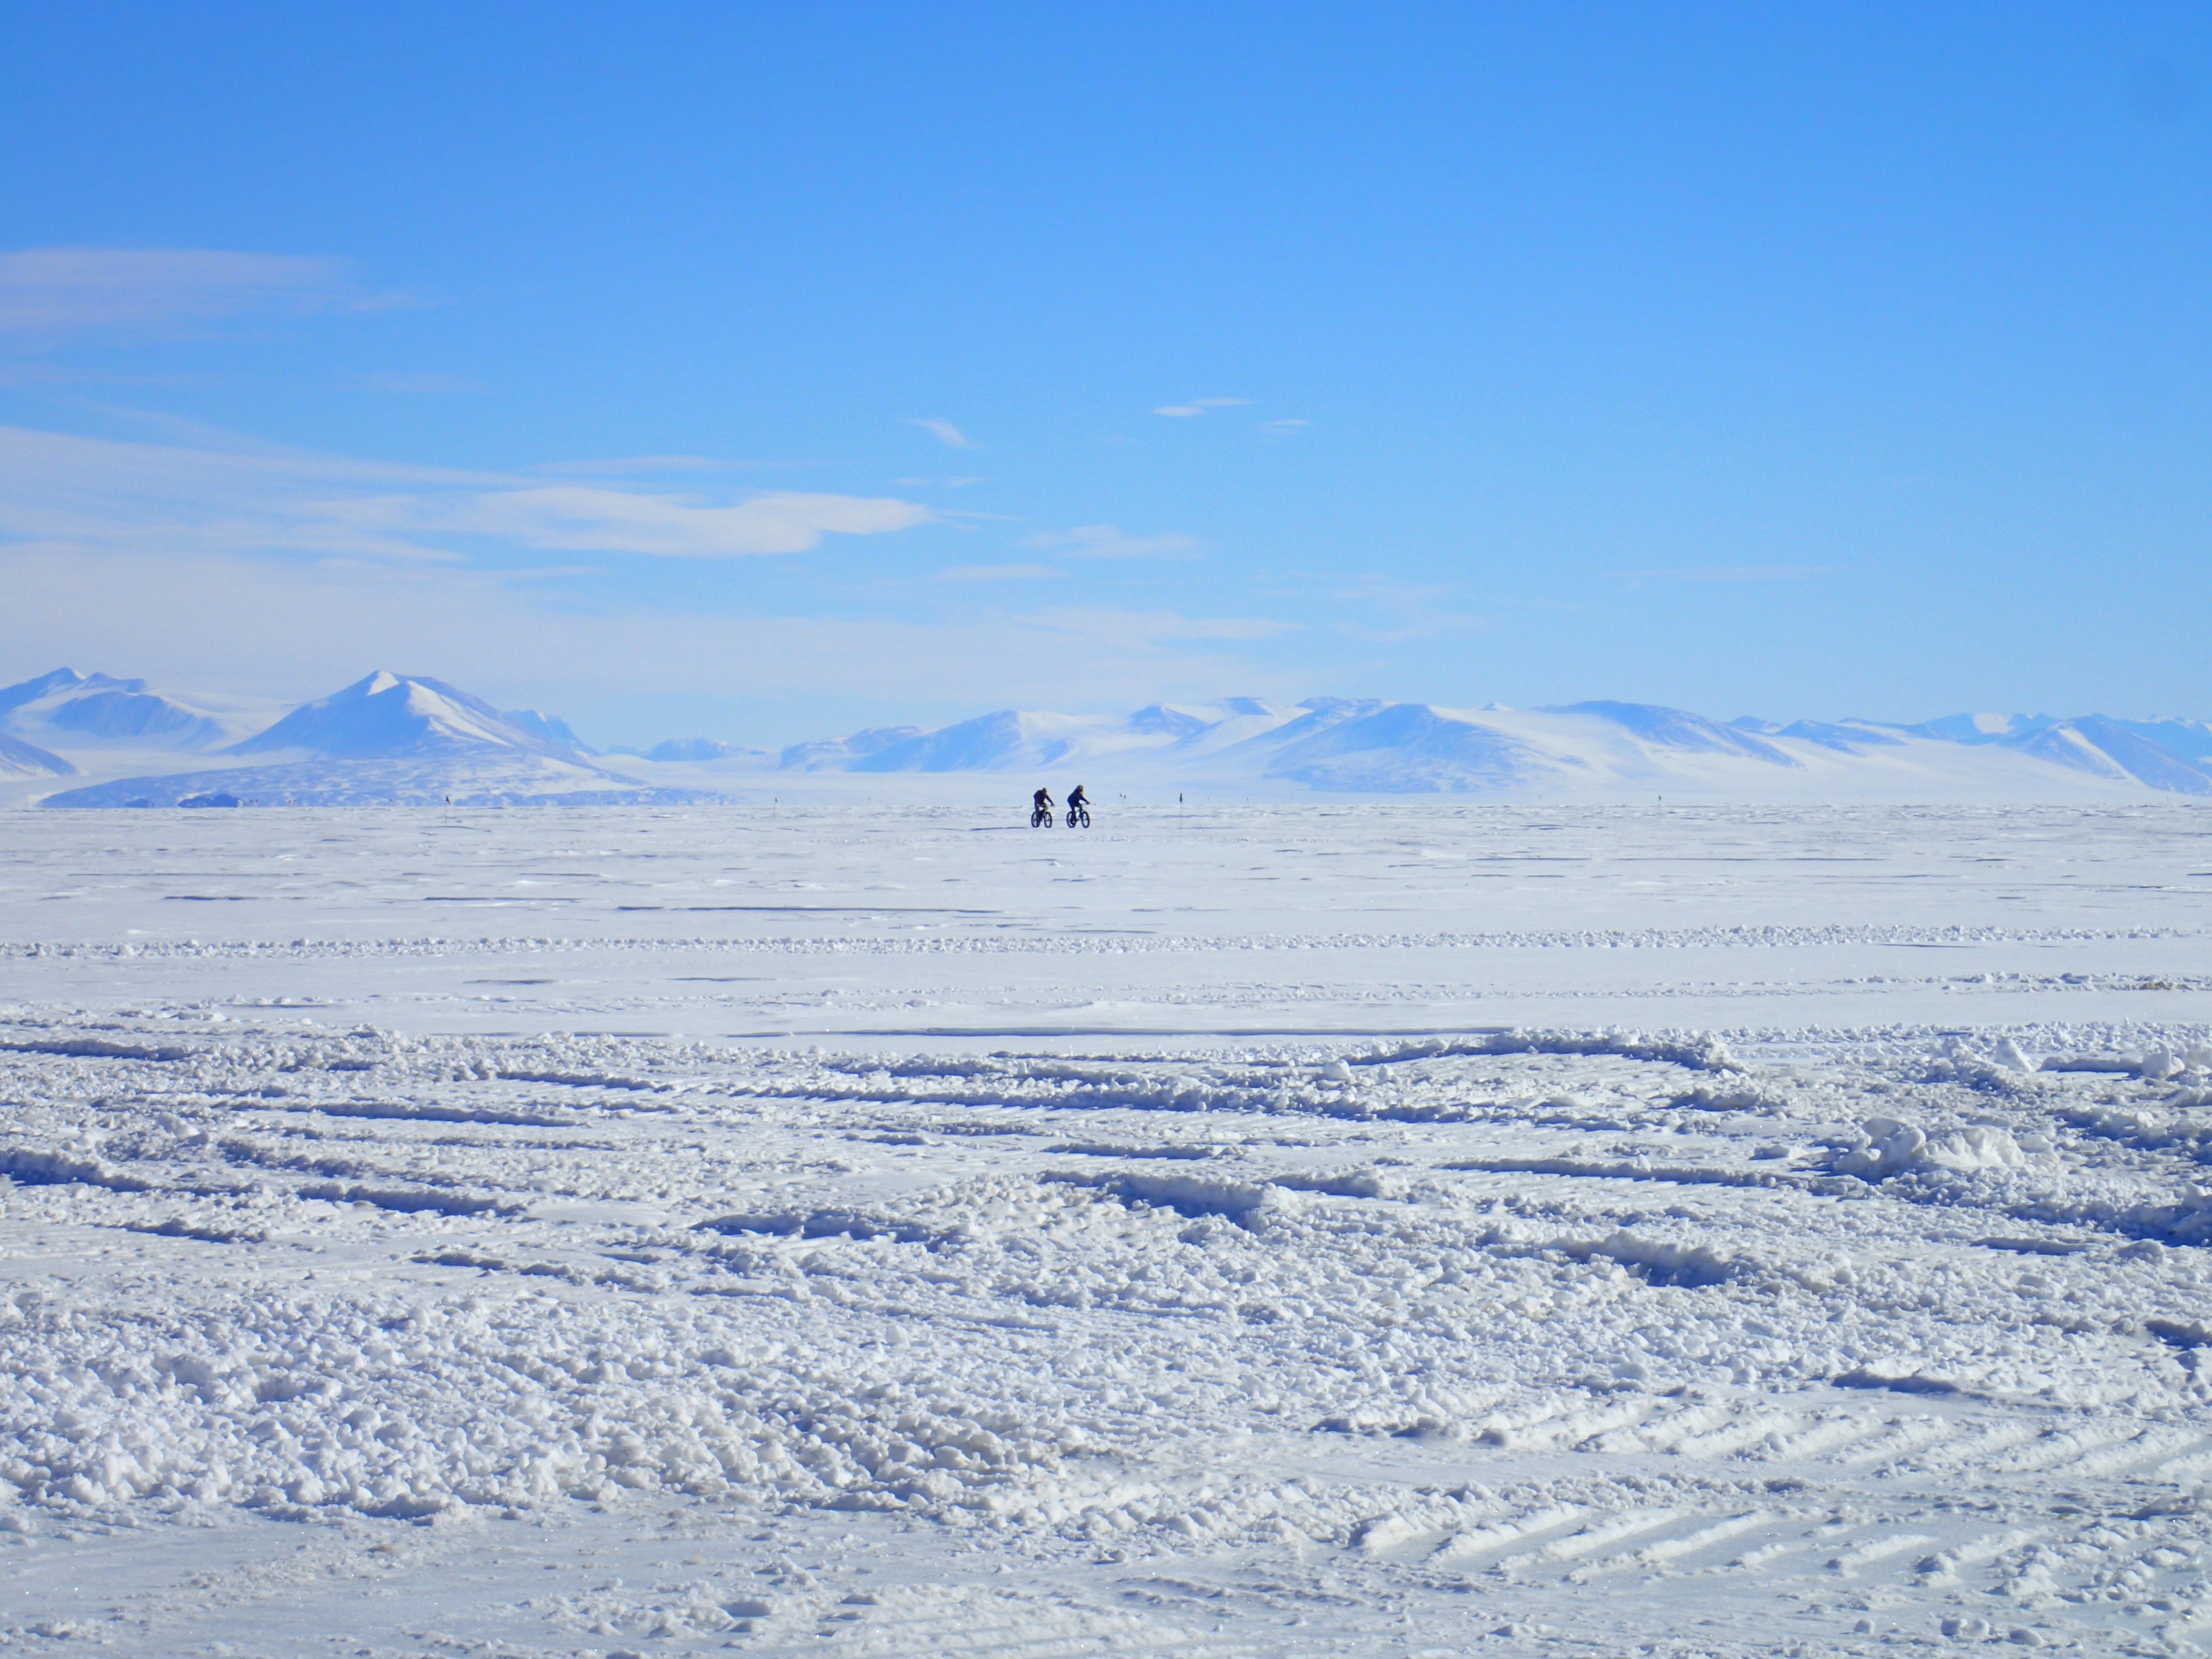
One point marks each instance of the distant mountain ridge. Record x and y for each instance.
(2170, 753)
(385, 739)
(392, 736)
(64, 707)
(387, 715)
(1365, 746)
(21, 759)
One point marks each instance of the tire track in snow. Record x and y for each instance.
(1648, 1366)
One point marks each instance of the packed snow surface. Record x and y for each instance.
(1270, 1231)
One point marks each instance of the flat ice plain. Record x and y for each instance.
(1384, 1228)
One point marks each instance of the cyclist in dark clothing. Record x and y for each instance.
(1042, 801)
(1077, 799)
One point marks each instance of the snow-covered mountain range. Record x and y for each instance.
(1347, 744)
(65, 709)
(19, 759)
(387, 716)
(394, 738)
(387, 739)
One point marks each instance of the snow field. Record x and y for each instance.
(1098, 1302)
(1029, 1315)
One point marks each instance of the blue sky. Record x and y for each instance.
(762, 372)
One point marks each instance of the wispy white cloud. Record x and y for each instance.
(1402, 612)
(999, 573)
(200, 556)
(945, 432)
(1103, 541)
(1734, 573)
(1288, 425)
(299, 628)
(547, 572)
(45, 371)
(64, 491)
(580, 519)
(1151, 630)
(1198, 406)
(616, 464)
(422, 385)
(60, 291)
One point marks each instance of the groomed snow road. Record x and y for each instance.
(1381, 1230)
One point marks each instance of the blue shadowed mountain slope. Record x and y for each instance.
(21, 759)
(553, 729)
(1412, 747)
(1172, 722)
(1674, 728)
(2110, 748)
(1983, 728)
(976, 746)
(838, 754)
(386, 715)
(146, 714)
(64, 708)
(61, 679)
(1848, 738)
(700, 751)
(2191, 740)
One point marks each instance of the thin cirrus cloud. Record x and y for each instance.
(577, 518)
(53, 292)
(1198, 406)
(999, 573)
(60, 491)
(1104, 541)
(945, 432)
(1732, 572)
(1402, 611)
(424, 386)
(1130, 630)
(190, 616)
(615, 464)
